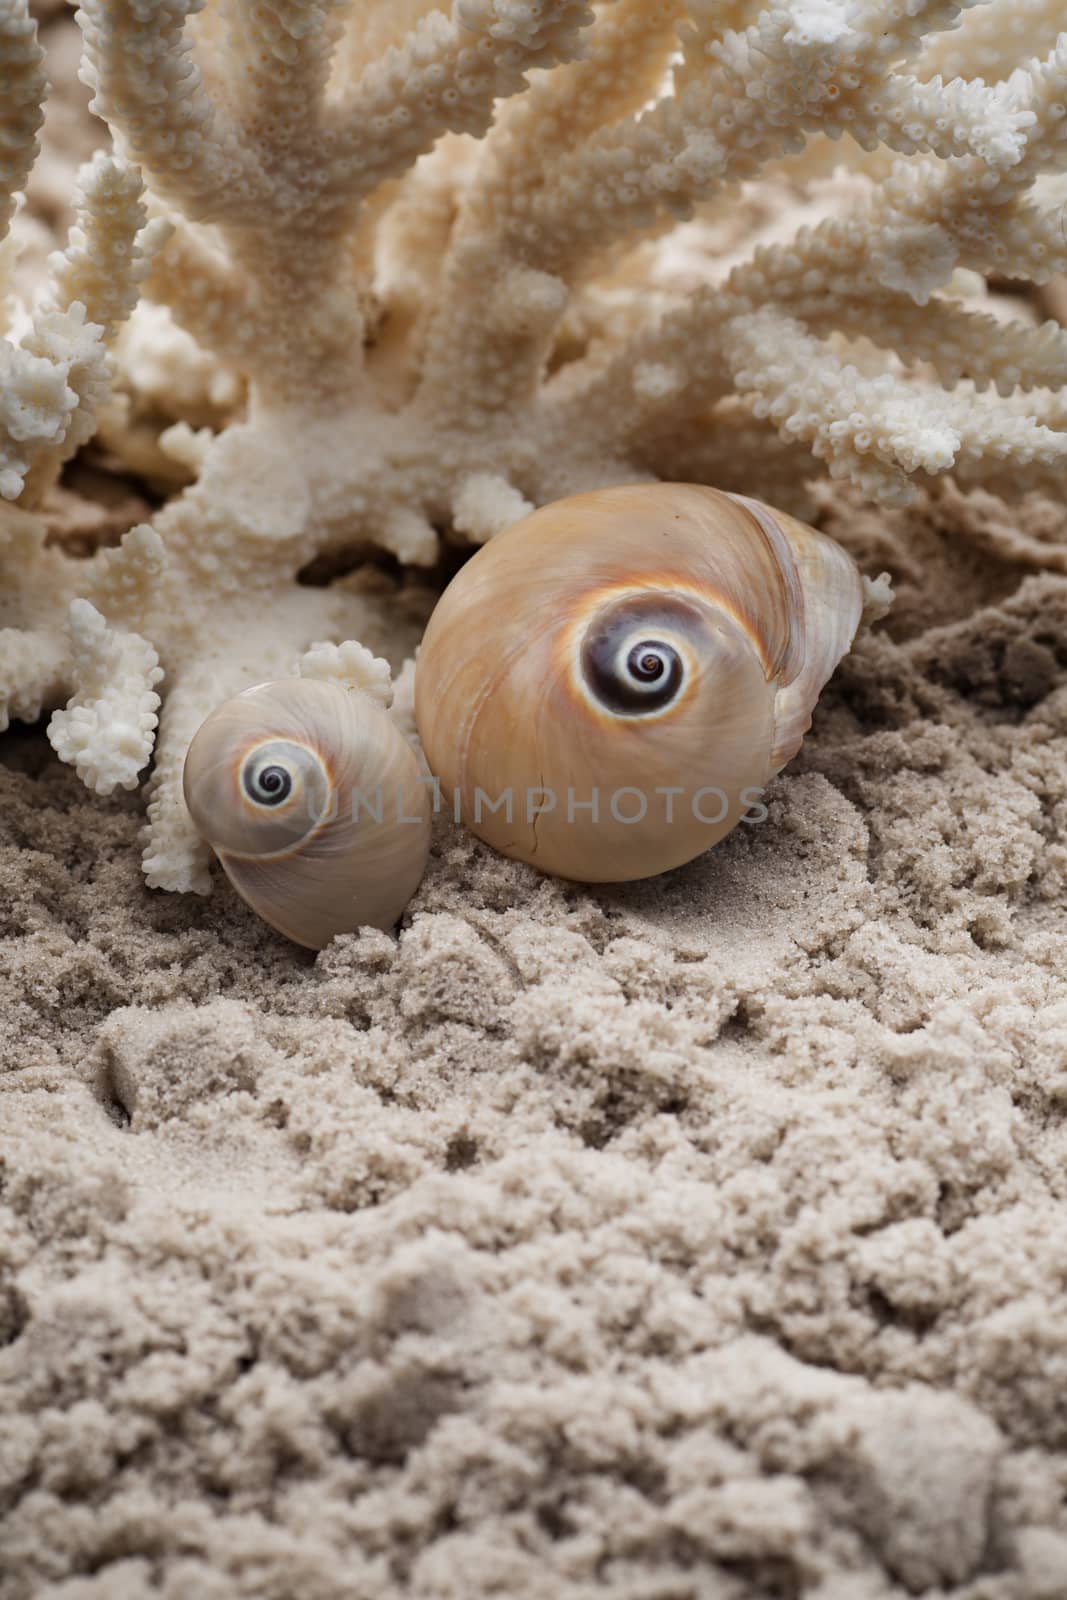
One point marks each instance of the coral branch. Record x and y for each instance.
(485, 505)
(877, 429)
(948, 119)
(278, 66)
(958, 343)
(371, 29)
(53, 386)
(22, 90)
(109, 250)
(446, 77)
(497, 349)
(108, 726)
(175, 857)
(991, 40)
(351, 665)
(140, 66)
(626, 58)
(866, 428)
(1046, 143)
(671, 370)
(126, 580)
(36, 407)
(208, 296)
(623, 67)
(33, 671)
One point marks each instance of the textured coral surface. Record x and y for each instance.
(703, 1239)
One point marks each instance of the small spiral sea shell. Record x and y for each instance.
(607, 686)
(313, 802)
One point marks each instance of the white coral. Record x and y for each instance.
(55, 380)
(353, 666)
(435, 334)
(107, 728)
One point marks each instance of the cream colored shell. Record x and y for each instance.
(655, 651)
(313, 802)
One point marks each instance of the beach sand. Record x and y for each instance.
(701, 1238)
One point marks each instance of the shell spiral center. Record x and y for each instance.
(636, 655)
